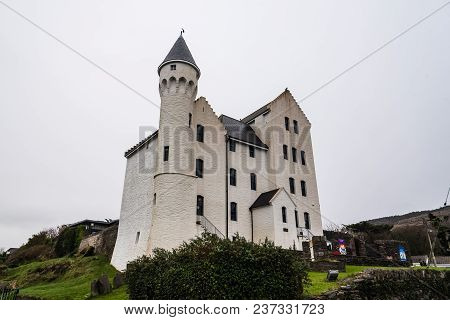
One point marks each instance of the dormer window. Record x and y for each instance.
(173, 67)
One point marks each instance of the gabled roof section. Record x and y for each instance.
(241, 131)
(180, 53)
(141, 144)
(266, 107)
(264, 199)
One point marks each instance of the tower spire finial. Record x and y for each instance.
(182, 31)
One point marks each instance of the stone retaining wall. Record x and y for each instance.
(393, 284)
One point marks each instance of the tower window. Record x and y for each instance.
(285, 151)
(292, 185)
(200, 205)
(286, 123)
(296, 219)
(199, 168)
(166, 153)
(138, 235)
(294, 154)
(232, 176)
(303, 157)
(307, 222)
(154, 198)
(253, 181)
(173, 67)
(303, 185)
(233, 211)
(232, 144)
(283, 214)
(190, 119)
(251, 151)
(295, 126)
(200, 133)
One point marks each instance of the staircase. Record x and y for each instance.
(209, 226)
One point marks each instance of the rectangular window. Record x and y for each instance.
(296, 126)
(286, 123)
(307, 222)
(173, 67)
(232, 144)
(296, 219)
(199, 168)
(154, 198)
(292, 185)
(283, 215)
(200, 205)
(285, 151)
(233, 211)
(303, 157)
(303, 185)
(166, 153)
(251, 151)
(253, 181)
(232, 176)
(190, 119)
(200, 133)
(294, 154)
(138, 235)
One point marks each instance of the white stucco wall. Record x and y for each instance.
(137, 207)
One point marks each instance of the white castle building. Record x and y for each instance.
(254, 177)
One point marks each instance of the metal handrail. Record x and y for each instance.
(304, 233)
(209, 226)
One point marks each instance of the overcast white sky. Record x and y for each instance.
(381, 132)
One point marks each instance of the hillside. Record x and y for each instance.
(62, 278)
(413, 218)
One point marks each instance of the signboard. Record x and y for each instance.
(402, 253)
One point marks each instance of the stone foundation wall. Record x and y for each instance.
(404, 284)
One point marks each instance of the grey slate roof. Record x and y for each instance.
(141, 144)
(241, 131)
(180, 52)
(264, 199)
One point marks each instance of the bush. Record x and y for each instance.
(28, 254)
(68, 241)
(212, 268)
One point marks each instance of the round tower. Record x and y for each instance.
(174, 217)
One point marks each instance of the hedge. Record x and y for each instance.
(208, 267)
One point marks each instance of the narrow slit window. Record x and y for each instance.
(286, 123)
(233, 211)
(251, 151)
(199, 168)
(232, 145)
(294, 154)
(296, 219)
(292, 185)
(303, 157)
(307, 221)
(303, 185)
(190, 119)
(138, 235)
(295, 126)
(285, 152)
(253, 181)
(232, 176)
(166, 153)
(200, 203)
(200, 133)
(283, 215)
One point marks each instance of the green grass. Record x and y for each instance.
(117, 294)
(319, 283)
(38, 280)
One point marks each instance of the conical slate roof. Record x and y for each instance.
(180, 53)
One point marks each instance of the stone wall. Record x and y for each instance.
(102, 242)
(404, 284)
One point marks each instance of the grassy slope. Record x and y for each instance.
(74, 284)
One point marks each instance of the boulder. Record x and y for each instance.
(118, 280)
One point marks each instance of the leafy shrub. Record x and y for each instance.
(27, 254)
(68, 241)
(211, 268)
